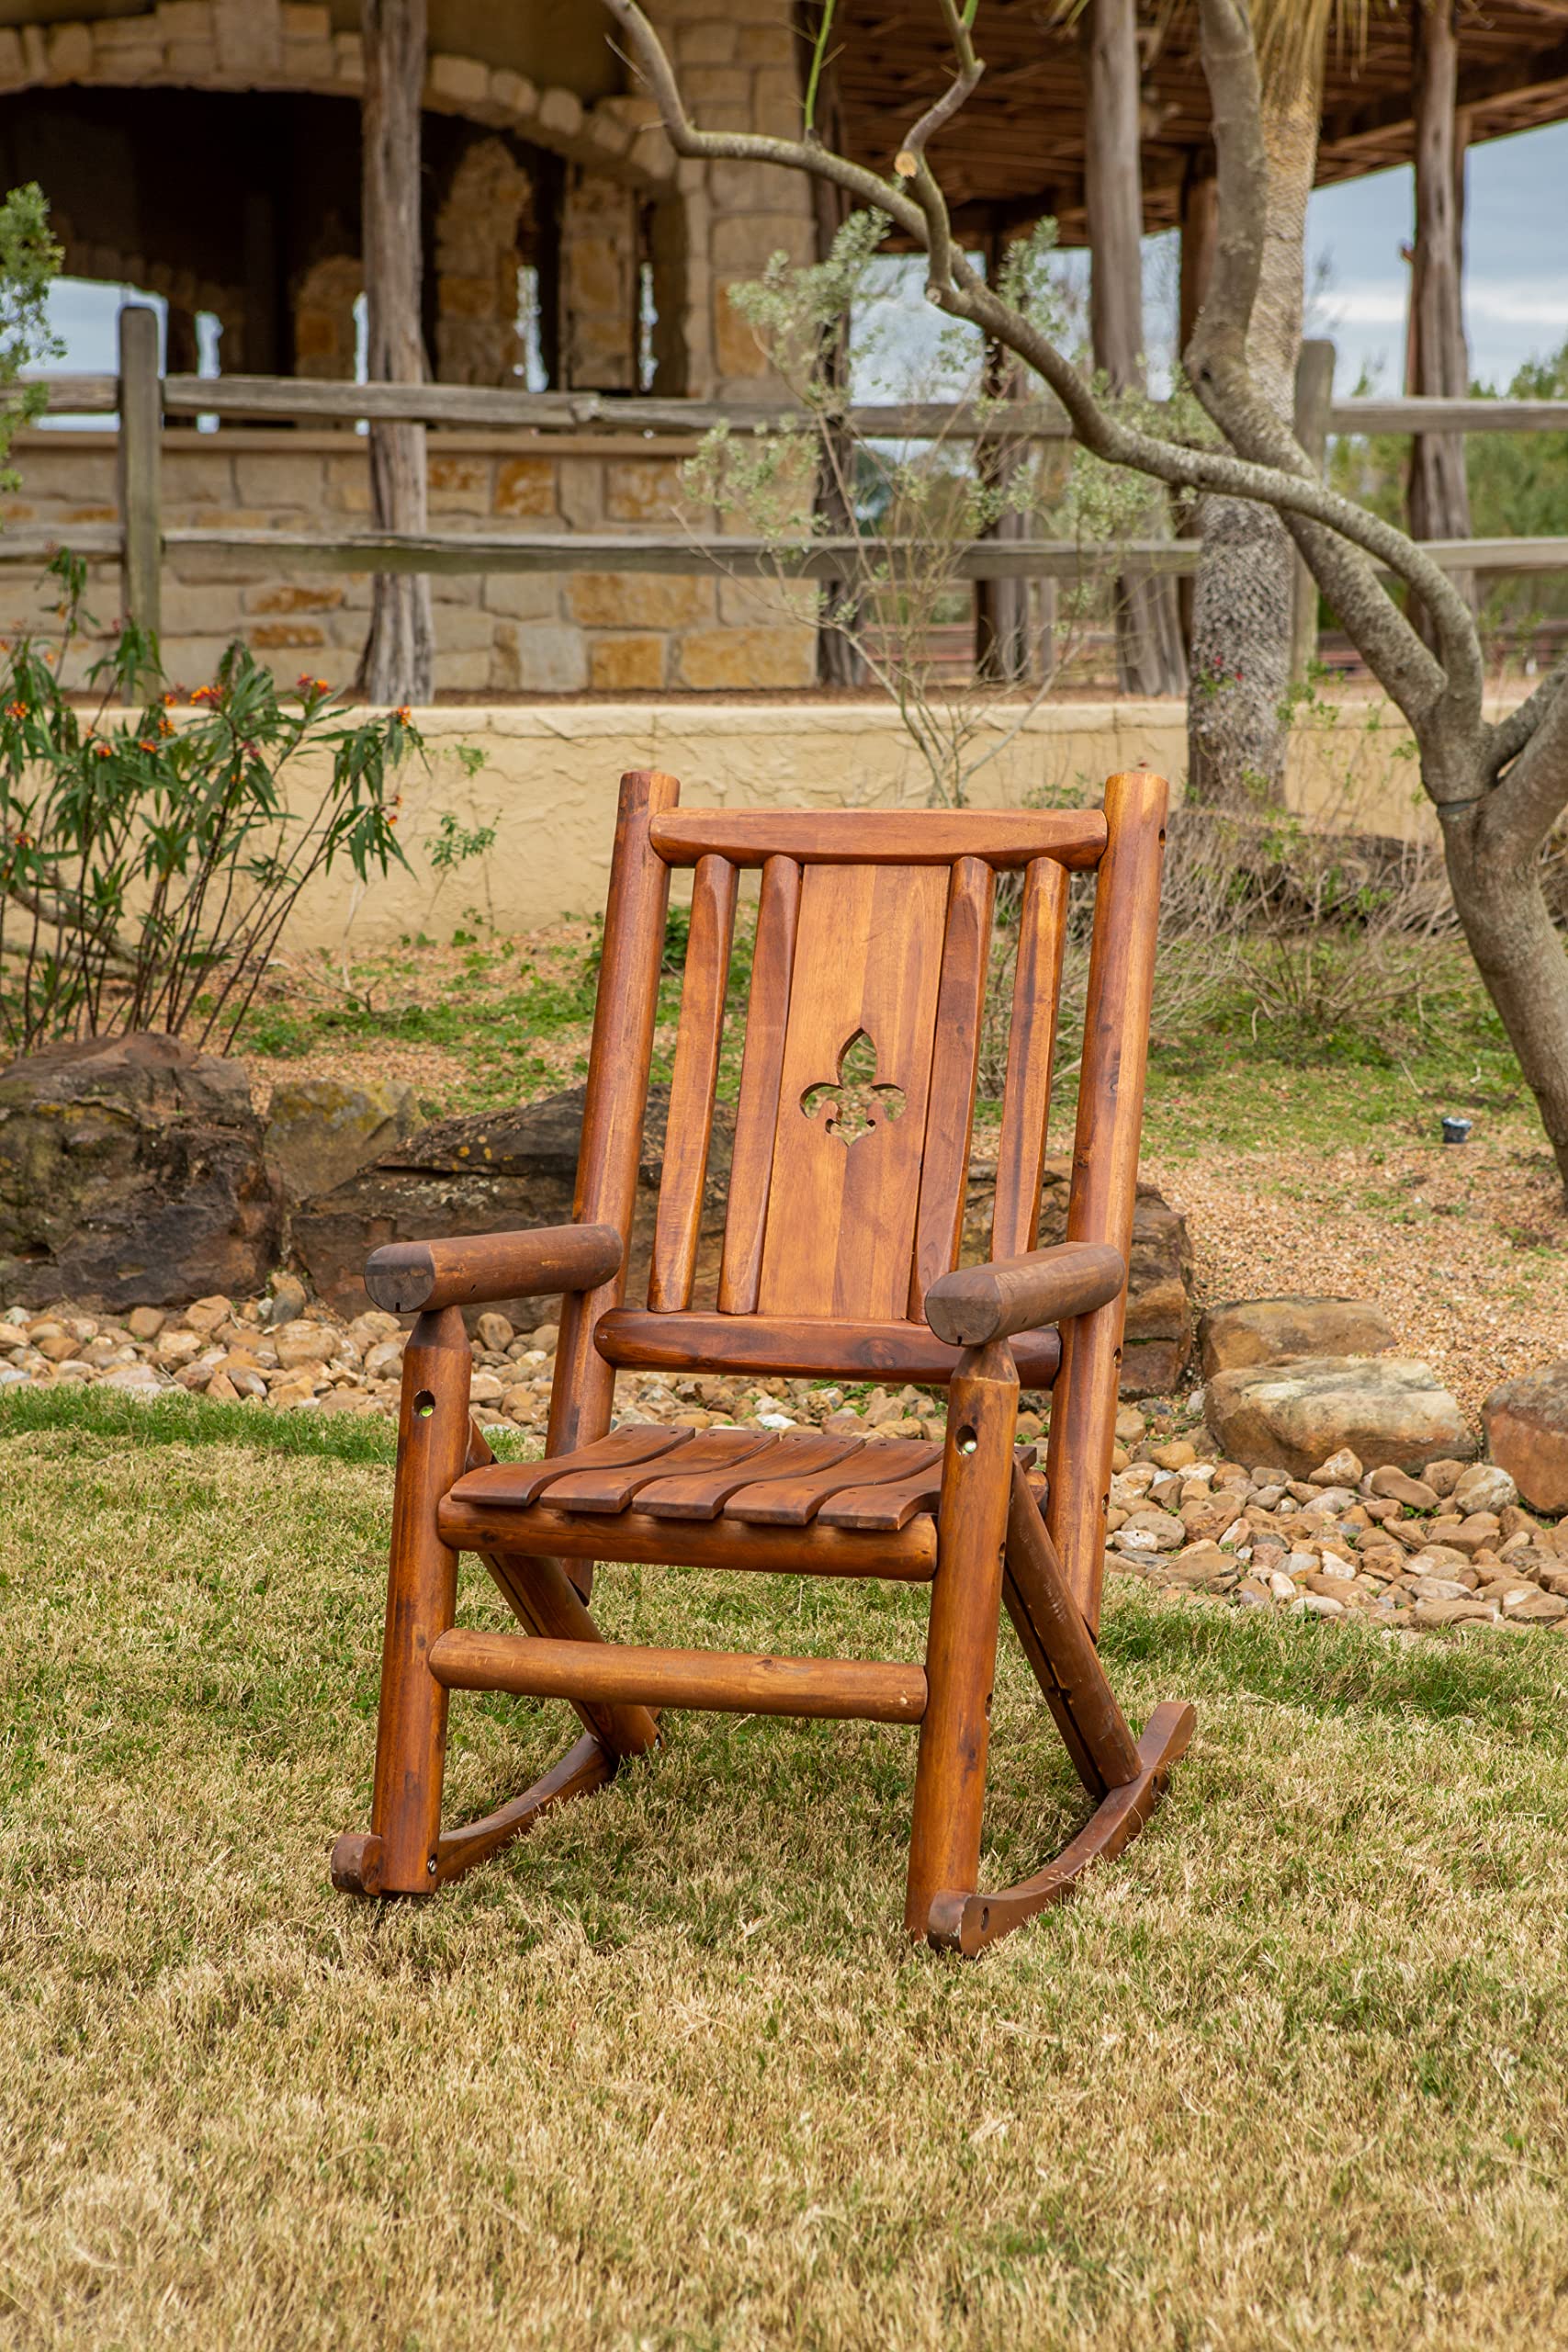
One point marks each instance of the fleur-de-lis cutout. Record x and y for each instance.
(855, 1105)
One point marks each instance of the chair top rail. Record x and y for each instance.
(1003, 838)
(291, 398)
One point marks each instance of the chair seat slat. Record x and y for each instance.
(795, 1501)
(793, 1452)
(633, 1442)
(611, 1488)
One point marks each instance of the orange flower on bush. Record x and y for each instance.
(103, 751)
(15, 710)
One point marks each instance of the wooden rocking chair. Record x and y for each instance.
(842, 1232)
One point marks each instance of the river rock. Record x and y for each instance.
(132, 1174)
(320, 1131)
(497, 1172)
(1527, 1434)
(1279, 1330)
(1386, 1408)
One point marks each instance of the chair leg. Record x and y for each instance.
(401, 1854)
(961, 1646)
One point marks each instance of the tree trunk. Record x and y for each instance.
(839, 658)
(1148, 635)
(1437, 491)
(398, 662)
(1243, 598)
(1520, 956)
(1001, 606)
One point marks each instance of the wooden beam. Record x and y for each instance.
(138, 453)
(398, 662)
(1437, 493)
(1314, 406)
(728, 1681)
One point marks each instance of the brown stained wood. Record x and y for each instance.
(961, 1644)
(582, 1769)
(416, 1277)
(410, 1746)
(842, 1204)
(799, 1346)
(689, 1127)
(612, 1489)
(1026, 1091)
(1105, 1168)
(543, 1599)
(1057, 1641)
(965, 1922)
(883, 836)
(633, 1442)
(794, 1500)
(756, 1114)
(730, 1682)
(139, 457)
(979, 1303)
(617, 1097)
(886, 1503)
(478, 1518)
(793, 1454)
(955, 1062)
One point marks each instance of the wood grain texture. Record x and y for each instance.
(712, 1451)
(1032, 1037)
(757, 1110)
(793, 1454)
(422, 1585)
(967, 1924)
(793, 1497)
(730, 1682)
(841, 1215)
(961, 1645)
(955, 1062)
(633, 1442)
(1056, 1643)
(883, 836)
(689, 1127)
(800, 1346)
(481, 1519)
(979, 1303)
(463, 1270)
(139, 460)
(1105, 1171)
(617, 1097)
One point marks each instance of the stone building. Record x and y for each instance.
(207, 151)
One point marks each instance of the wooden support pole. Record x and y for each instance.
(1148, 639)
(1437, 492)
(961, 1647)
(398, 660)
(1314, 406)
(727, 1681)
(141, 446)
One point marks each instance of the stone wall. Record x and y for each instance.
(501, 632)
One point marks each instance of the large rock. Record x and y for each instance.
(1158, 1343)
(132, 1174)
(493, 1174)
(320, 1131)
(1527, 1434)
(1276, 1330)
(1386, 1408)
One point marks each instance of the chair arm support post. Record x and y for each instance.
(467, 1268)
(976, 1304)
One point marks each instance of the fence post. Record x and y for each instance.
(140, 448)
(1315, 399)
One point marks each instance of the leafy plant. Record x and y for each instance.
(149, 862)
(28, 259)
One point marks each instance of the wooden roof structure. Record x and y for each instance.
(1017, 149)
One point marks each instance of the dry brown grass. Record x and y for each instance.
(666, 2075)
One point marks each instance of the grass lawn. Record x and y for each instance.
(667, 2074)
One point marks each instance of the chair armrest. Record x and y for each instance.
(981, 1303)
(416, 1277)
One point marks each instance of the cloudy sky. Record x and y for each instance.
(1517, 276)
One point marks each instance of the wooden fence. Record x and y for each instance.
(144, 401)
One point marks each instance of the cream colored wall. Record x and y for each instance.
(549, 786)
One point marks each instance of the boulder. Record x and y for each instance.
(1386, 1408)
(1158, 1342)
(492, 1173)
(1276, 1331)
(132, 1174)
(320, 1131)
(1527, 1434)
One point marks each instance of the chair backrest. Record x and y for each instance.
(858, 1078)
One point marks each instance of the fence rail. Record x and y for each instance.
(144, 400)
